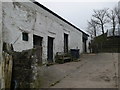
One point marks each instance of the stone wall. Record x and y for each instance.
(19, 69)
(24, 69)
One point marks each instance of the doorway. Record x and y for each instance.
(37, 41)
(65, 43)
(50, 49)
(84, 46)
(84, 39)
(37, 44)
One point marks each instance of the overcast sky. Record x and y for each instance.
(77, 12)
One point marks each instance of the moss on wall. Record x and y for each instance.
(24, 69)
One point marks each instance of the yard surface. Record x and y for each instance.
(92, 71)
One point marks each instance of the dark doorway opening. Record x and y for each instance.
(65, 43)
(37, 43)
(84, 46)
(84, 39)
(50, 49)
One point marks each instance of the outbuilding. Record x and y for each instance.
(29, 24)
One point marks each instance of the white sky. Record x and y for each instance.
(77, 12)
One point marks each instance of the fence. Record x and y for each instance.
(96, 48)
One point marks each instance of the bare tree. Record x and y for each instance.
(100, 18)
(113, 19)
(117, 11)
(90, 31)
(92, 27)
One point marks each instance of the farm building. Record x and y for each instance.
(26, 25)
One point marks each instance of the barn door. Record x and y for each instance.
(84, 46)
(50, 49)
(65, 43)
(37, 43)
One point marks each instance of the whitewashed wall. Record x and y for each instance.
(19, 17)
(2, 84)
(0, 31)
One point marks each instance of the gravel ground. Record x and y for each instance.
(92, 71)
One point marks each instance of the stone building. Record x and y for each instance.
(25, 24)
(29, 24)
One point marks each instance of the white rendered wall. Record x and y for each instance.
(28, 17)
(2, 83)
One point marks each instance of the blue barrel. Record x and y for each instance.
(75, 53)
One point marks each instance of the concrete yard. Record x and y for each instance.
(92, 71)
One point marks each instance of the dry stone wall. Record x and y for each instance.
(19, 69)
(24, 69)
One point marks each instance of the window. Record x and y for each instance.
(25, 36)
